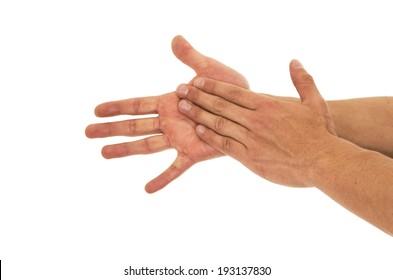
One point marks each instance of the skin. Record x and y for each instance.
(278, 140)
(292, 143)
(353, 119)
(171, 129)
(366, 122)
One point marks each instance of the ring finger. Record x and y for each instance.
(219, 124)
(215, 104)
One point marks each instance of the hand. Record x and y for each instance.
(278, 140)
(171, 128)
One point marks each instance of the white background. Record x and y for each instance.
(67, 213)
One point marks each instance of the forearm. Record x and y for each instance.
(358, 179)
(366, 122)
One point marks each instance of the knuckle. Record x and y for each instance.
(131, 126)
(219, 124)
(156, 123)
(307, 79)
(248, 134)
(136, 106)
(227, 145)
(220, 105)
(233, 95)
(147, 145)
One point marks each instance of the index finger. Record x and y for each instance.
(132, 106)
(230, 92)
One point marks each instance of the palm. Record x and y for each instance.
(180, 133)
(176, 131)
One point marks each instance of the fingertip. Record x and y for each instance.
(296, 64)
(177, 38)
(106, 152)
(180, 46)
(296, 70)
(304, 83)
(199, 82)
(149, 190)
(182, 90)
(184, 106)
(97, 111)
(200, 130)
(88, 131)
(108, 109)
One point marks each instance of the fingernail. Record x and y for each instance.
(182, 90)
(296, 64)
(185, 105)
(200, 129)
(199, 82)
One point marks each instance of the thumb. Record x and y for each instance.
(309, 94)
(177, 168)
(183, 50)
(304, 83)
(204, 65)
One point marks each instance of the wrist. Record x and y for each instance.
(335, 156)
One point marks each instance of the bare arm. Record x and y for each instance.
(358, 179)
(296, 144)
(366, 122)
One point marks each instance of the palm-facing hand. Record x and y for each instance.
(171, 129)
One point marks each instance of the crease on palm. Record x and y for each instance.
(177, 130)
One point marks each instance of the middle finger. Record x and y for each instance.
(136, 127)
(216, 105)
(219, 124)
